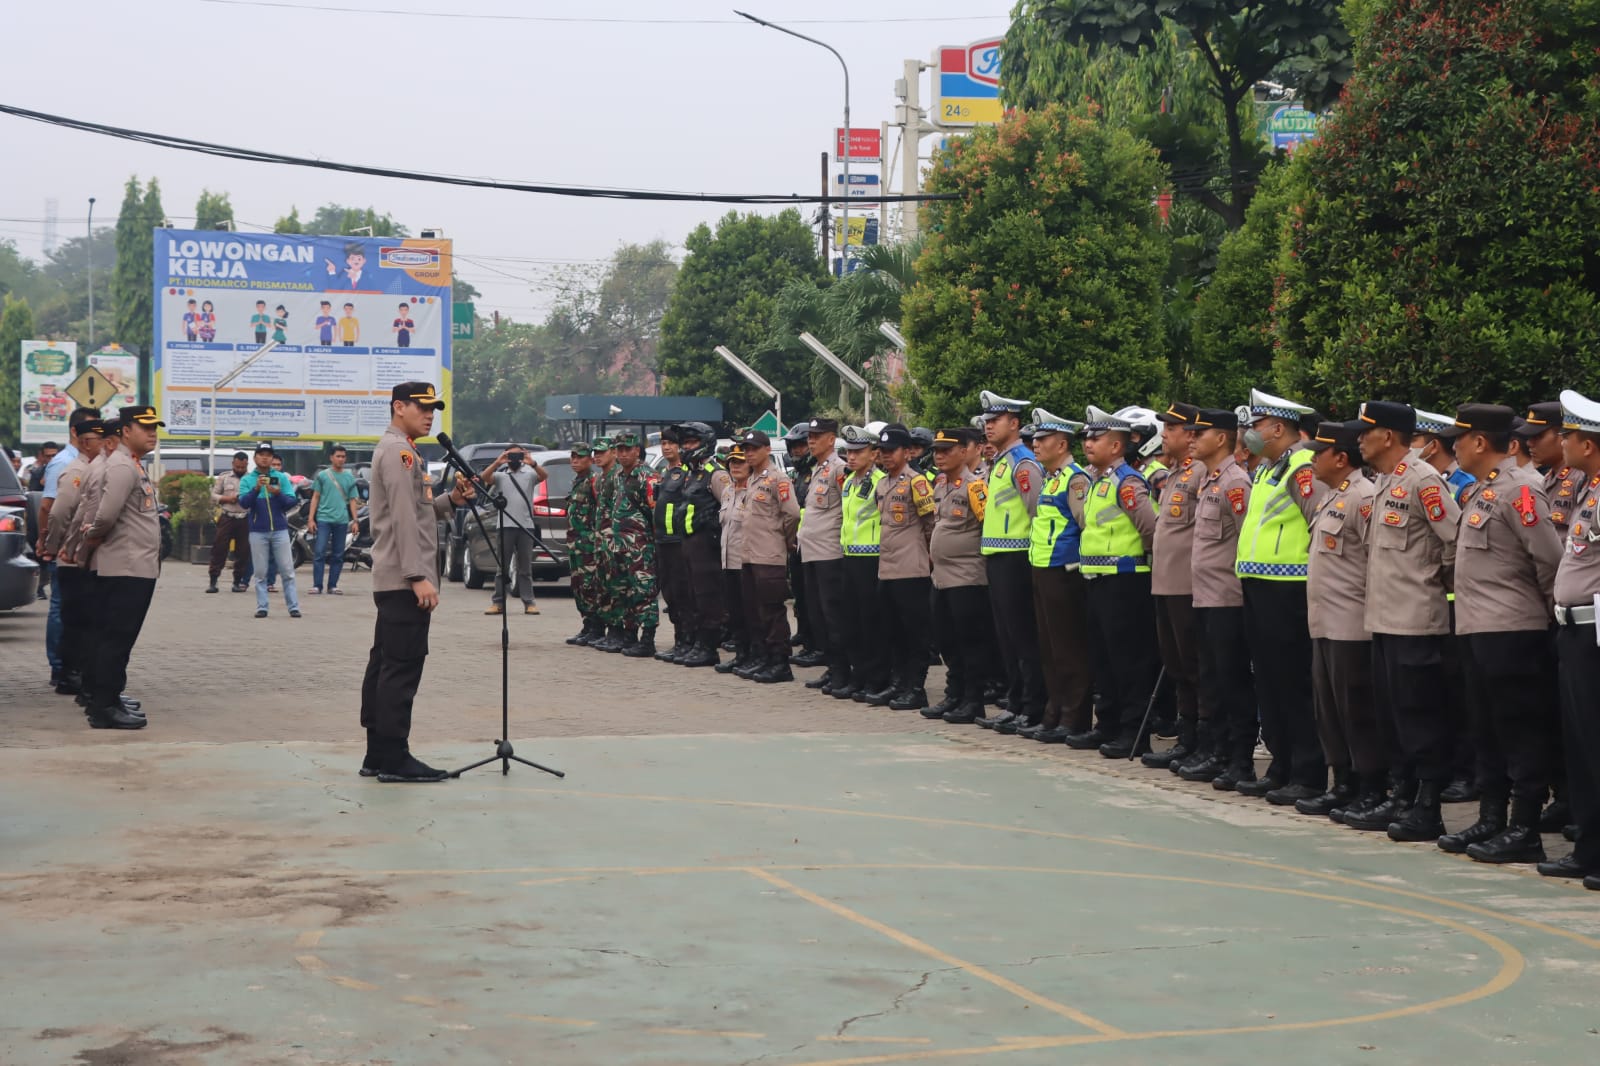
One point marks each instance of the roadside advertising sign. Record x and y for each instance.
(48, 367)
(121, 367)
(866, 145)
(966, 84)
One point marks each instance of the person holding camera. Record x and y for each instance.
(517, 524)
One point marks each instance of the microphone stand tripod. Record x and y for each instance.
(503, 752)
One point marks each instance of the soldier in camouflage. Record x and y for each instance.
(633, 549)
(606, 609)
(581, 506)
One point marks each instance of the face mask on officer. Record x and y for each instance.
(1255, 440)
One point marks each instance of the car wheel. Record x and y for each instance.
(471, 575)
(455, 552)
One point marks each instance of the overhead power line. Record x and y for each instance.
(590, 19)
(251, 155)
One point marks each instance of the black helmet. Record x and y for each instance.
(798, 436)
(923, 436)
(698, 430)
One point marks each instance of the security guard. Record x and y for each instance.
(1353, 739)
(581, 519)
(404, 512)
(1506, 559)
(1413, 546)
(1577, 595)
(822, 554)
(1119, 527)
(702, 552)
(123, 543)
(860, 536)
(1059, 598)
(771, 516)
(905, 520)
(1274, 552)
(1172, 575)
(960, 584)
(672, 572)
(1015, 480)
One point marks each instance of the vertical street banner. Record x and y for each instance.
(352, 318)
(48, 367)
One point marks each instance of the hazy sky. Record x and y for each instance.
(689, 102)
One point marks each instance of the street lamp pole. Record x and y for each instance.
(90, 247)
(844, 156)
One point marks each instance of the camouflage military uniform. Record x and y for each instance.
(581, 549)
(632, 577)
(605, 556)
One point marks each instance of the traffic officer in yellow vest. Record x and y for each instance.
(860, 536)
(1060, 608)
(822, 553)
(960, 583)
(1541, 434)
(1274, 550)
(905, 516)
(1172, 575)
(1577, 596)
(1413, 544)
(1119, 527)
(1014, 482)
(1506, 559)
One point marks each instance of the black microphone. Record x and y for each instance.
(454, 458)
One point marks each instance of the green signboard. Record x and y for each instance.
(768, 424)
(1286, 125)
(463, 322)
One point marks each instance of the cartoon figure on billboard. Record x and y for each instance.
(208, 322)
(350, 326)
(280, 325)
(325, 323)
(191, 320)
(355, 274)
(403, 327)
(260, 321)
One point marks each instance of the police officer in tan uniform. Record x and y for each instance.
(960, 582)
(1577, 596)
(123, 544)
(1541, 433)
(1412, 551)
(821, 554)
(74, 585)
(906, 516)
(403, 510)
(1171, 577)
(1506, 558)
(771, 516)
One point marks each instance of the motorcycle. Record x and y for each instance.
(303, 544)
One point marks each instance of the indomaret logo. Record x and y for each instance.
(408, 258)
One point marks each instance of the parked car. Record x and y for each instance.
(19, 573)
(464, 550)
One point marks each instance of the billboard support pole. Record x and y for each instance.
(222, 383)
(753, 378)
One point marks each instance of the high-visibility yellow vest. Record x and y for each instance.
(1007, 525)
(1111, 543)
(1055, 534)
(861, 529)
(1275, 542)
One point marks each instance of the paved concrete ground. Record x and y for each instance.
(748, 893)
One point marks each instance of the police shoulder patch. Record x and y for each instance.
(1432, 499)
(1236, 499)
(407, 459)
(1128, 495)
(1305, 481)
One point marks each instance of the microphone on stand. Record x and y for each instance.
(455, 459)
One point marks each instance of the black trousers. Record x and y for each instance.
(1580, 735)
(1061, 615)
(703, 583)
(672, 577)
(1408, 679)
(394, 670)
(1352, 734)
(1226, 685)
(960, 619)
(766, 610)
(1017, 635)
(905, 607)
(733, 599)
(864, 636)
(77, 590)
(1280, 651)
(236, 531)
(802, 610)
(1121, 608)
(1180, 652)
(1514, 701)
(121, 604)
(825, 604)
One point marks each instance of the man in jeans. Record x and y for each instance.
(516, 483)
(267, 497)
(335, 507)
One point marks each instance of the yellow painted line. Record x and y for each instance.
(351, 982)
(830, 1038)
(559, 880)
(732, 1034)
(1042, 1043)
(309, 939)
(546, 1019)
(311, 962)
(924, 948)
(421, 1001)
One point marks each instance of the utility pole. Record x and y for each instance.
(90, 249)
(827, 216)
(913, 126)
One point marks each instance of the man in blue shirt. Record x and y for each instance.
(52, 475)
(334, 509)
(267, 497)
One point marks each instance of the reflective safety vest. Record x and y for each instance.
(1111, 543)
(862, 528)
(1007, 526)
(1056, 534)
(1275, 542)
(701, 509)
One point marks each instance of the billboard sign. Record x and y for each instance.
(861, 187)
(1285, 126)
(463, 323)
(48, 367)
(352, 317)
(966, 84)
(863, 231)
(866, 146)
(122, 368)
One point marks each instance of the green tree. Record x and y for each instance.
(1042, 278)
(726, 293)
(1233, 333)
(289, 223)
(337, 219)
(133, 280)
(1239, 43)
(1447, 245)
(16, 326)
(213, 211)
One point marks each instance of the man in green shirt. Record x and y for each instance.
(335, 507)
